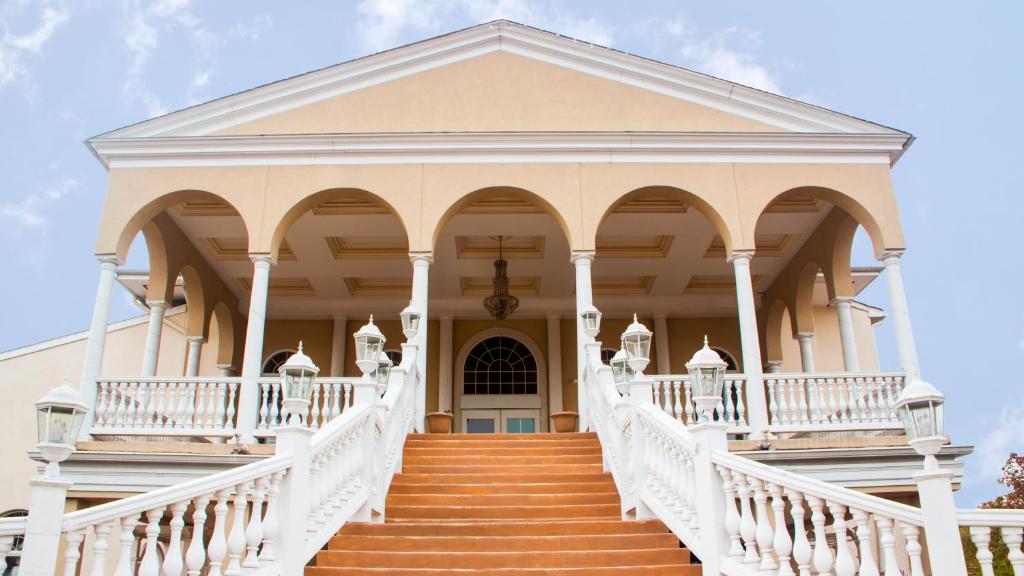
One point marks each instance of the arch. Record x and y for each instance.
(225, 334)
(311, 201)
(777, 312)
(146, 213)
(274, 360)
(728, 357)
(691, 199)
(502, 191)
(196, 312)
(802, 312)
(161, 283)
(849, 205)
(500, 365)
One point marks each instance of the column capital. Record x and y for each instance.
(841, 300)
(156, 303)
(110, 260)
(740, 256)
(554, 316)
(200, 339)
(577, 256)
(341, 317)
(804, 335)
(773, 364)
(424, 257)
(266, 259)
(891, 254)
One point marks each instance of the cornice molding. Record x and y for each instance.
(486, 147)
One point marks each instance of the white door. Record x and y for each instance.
(501, 388)
(503, 421)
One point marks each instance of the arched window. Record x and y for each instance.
(14, 556)
(730, 361)
(395, 356)
(500, 365)
(272, 364)
(606, 355)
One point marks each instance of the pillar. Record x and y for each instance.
(900, 315)
(757, 406)
(195, 349)
(156, 325)
(444, 365)
(847, 336)
(97, 339)
(661, 344)
(774, 366)
(421, 262)
(806, 350)
(252, 360)
(40, 552)
(941, 528)
(582, 260)
(554, 363)
(338, 340)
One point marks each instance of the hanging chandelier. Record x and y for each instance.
(501, 304)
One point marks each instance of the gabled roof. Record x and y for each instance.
(501, 35)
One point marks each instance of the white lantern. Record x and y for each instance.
(591, 321)
(410, 322)
(383, 372)
(59, 418)
(636, 341)
(621, 370)
(920, 409)
(707, 379)
(297, 375)
(369, 347)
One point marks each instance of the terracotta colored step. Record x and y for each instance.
(543, 477)
(504, 543)
(489, 460)
(605, 487)
(508, 437)
(525, 528)
(476, 560)
(484, 443)
(394, 500)
(492, 450)
(662, 570)
(499, 468)
(453, 512)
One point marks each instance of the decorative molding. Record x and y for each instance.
(281, 286)
(715, 284)
(211, 207)
(501, 205)
(367, 249)
(651, 203)
(622, 285)
(795, 205)
(234, 248)
(767, 245)
(358, 286)
(482, 286)
(486, 247)
(656, 246)
(349, 207)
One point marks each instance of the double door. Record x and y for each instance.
(505, 421)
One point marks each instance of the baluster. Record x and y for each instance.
(172, 557)
(274, 412)
(732, 517)
(847, 411)
(774, 389)
(346, 401)
(687, 392)
(125, 562)
(72, 552)
(748, 527)
(190, 403)
(315, 479)
(131, 416)
(868, 566)
(871, 397)
(254, 531)
(122, 404)
(816, 399)
(887, 542)
(785, 406)
(156, 401)
(763, 533)
(1013, 537)
(802, 552)
(859, 399)
(791, 395)
(802, 402)
(894, 386)
(145, 414)
(335, 400)
(729, 405)
(823, 559)
(184, 405)
(844, 560)
(657, 395)
(782, 543)
(150, 565)
(100, 545)
(264, 405)
(681, 486)
(691, 494)
(196, 555)
(981, 536)
(202, 389)
(236, 540)
(912, 533)
(677, 409)
(229, 406)
(218, 547)
(314, 409)
(270, 522)
(213, 395)
(103, 390)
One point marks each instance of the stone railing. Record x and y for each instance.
(673, 394)
(1009, 524)
(12, 531)
(166, 407)
(329, 398)
(268, 517)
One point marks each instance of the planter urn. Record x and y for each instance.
(564, 421)
(439, 422)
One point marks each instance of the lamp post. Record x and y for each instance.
(297, 375)
(636, 341)
(383, 372)
(920, 409)
(621, 371)
(410, 322)
(59, 417)
(369, 347)
(591, 322)
(707, 377)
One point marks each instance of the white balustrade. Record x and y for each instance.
(328, 399)
(673, 395)
(840, 401)
(12, 530)
(203, 407)
(983, 525)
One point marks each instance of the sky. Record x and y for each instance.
(949, 72)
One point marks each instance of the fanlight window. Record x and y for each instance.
(501, 366)
(272, 364)
(395, 356)
(607, 354)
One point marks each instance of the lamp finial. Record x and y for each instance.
(705, 340)
(300, 346)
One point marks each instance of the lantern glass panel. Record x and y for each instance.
(908, 422)
(637, 345)
(924, 418)
(59, 424)
(619, 371)
(383, 370)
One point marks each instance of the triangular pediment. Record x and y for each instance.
(499, 77)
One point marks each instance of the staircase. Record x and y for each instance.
(508, 504)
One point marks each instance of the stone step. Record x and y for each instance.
(444, 543)
(507, 528)
(550, 460)
(661, 570)
(472, 469)
(504, 437)
(489, 449)
(606, 486)
(477, 560)
(458, 500)
(497, 476)
(498, 512)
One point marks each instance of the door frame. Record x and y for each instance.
(529, 402)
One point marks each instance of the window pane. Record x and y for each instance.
(480, 425)
(500, 365)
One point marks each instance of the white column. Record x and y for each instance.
(661, 344)
(195, 349)
(97, 339)
(847, 337)
(421, 262)
(584, 298)
(444, 365)
(338, 340)
(554, 363)
(252, 361)
(757, 406)
(900, 315)
(774, 366)
(806, 350)
(156, 325)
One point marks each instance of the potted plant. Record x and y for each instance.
(439, 422)
(564, 421)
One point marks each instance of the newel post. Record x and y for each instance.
(641, 392)
(365, 394)
(293, 501)
(709, 496)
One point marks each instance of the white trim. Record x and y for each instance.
(480, 147)
(84, 334)
(510, 37)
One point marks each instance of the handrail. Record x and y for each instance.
(14, 526)
(993, 518)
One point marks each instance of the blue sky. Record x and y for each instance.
(949, 72)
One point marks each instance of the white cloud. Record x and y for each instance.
(15, 48)
(28, 213)
(1004, 437)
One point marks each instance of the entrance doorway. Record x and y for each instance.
(502, 386)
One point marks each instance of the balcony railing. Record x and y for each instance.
(328, 400)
